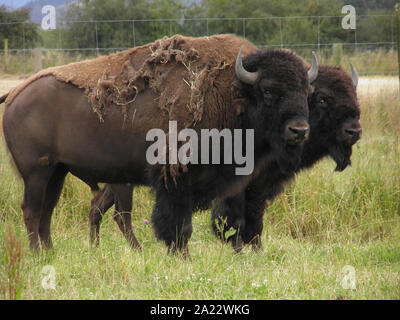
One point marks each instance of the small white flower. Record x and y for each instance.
(265, 282)
(166, 277)
(209, 280)
(294, 282)
(201, 279)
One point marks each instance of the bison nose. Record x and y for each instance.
(352, 132)
(297, 133)
(353, 135)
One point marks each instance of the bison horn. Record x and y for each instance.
(354, 75)
(242, 74)
(313, 72)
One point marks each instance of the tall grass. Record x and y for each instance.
(12, 264)
(322, 222)
(378, 61)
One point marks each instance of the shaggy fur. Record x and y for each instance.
(182, 71)
(333, 105)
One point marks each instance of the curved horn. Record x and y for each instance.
(313, 72)
(354, 75)
(242, 74)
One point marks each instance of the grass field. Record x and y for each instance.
(323, 222)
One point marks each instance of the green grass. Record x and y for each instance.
(321, 223)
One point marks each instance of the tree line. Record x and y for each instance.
(76, 27)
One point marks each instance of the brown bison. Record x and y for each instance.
(54, 124)
(334, 129)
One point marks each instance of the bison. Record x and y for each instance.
(334, 129)
(53, 126)
(331, 86)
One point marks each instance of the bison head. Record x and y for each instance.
(334, 115)
(276, 84)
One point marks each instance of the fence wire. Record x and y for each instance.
(78, 39)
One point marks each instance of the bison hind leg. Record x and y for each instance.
(35, 185)
(101, 202)
(53, 192)
(122, 213)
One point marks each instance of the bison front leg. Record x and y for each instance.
(255, 207)
(172, 218)
(102, 201)
(230, 214)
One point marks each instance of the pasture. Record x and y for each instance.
(323, 222)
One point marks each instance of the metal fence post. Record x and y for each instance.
(97, 38)
(133, 33)
(37, 60)
(397, 7)
(5, 54)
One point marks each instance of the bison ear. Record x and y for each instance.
(239, 106)
(237, 83)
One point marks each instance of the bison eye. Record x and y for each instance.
(267, 94)
(322, 103)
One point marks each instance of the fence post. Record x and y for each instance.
(397, 9)
(5, 54)
(37, 59)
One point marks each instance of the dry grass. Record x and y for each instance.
(12, 266)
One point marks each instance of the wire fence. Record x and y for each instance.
(372, 43)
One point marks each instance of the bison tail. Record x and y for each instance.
(3, 97)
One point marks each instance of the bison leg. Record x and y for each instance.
(32, 204)
(172, 217)
(255, 207)
(122, 212)
(99, 205)
(53, 192)
(230, 214)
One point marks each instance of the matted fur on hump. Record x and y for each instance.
(192, 79)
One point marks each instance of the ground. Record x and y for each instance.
(328, 236)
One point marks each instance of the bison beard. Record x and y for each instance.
(189, 80)
(341, 154)
(328, 138)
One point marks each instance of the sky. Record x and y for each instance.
(19, 3)
(14, 3)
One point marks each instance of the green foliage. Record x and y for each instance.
(306, 22)
(23, 34)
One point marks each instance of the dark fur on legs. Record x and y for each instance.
(172, 215)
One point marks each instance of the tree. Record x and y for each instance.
(17, 28)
